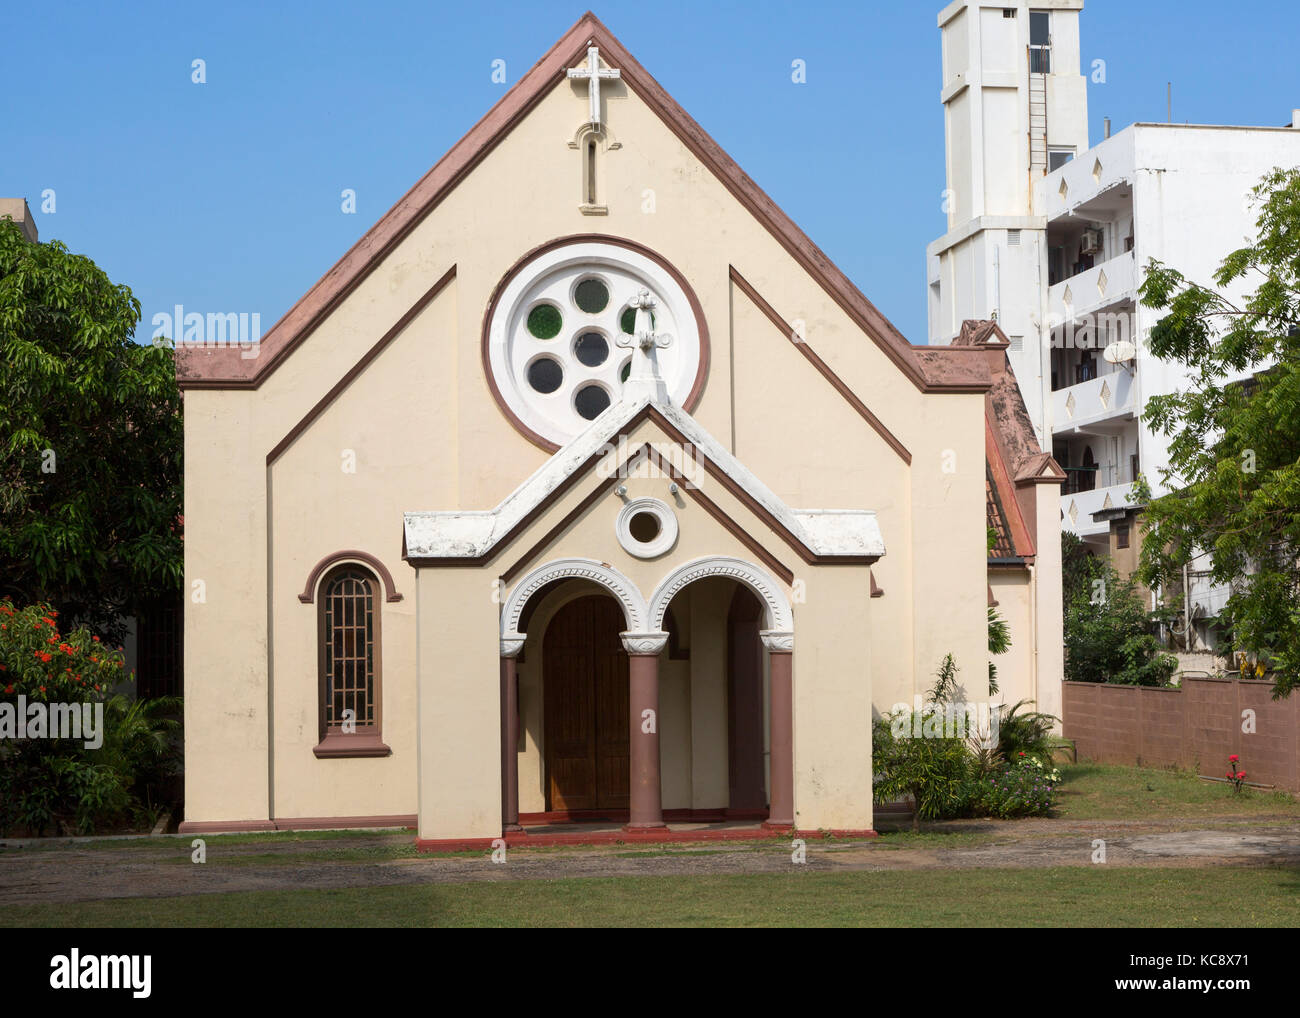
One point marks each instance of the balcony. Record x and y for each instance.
(1077, 509)
(1095, 406)
(1101, 286)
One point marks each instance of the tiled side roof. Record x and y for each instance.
(1003, 546)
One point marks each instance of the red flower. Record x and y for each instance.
(42, 689)
(1241, 775)
(9, 688)
(1234, 758)
(1228, 775)
(95, 638)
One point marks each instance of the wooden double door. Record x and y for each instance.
(585, 691)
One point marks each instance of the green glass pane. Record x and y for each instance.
(544, 321)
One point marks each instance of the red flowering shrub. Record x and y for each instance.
(52, 782)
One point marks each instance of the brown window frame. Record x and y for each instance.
(367, 740)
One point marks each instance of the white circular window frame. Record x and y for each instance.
(662, 543)
(552, 416)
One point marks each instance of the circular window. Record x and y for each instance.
(550, 336)
(544, 321)
(591, 401)
(545, 375)
(591, 349)
(591, 296)
(646, 527)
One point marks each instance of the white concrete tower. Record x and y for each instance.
(1015, 108)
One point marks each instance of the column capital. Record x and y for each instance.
(512, 644)
(643, 644)
(777, 641)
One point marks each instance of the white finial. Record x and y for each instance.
(644, 378)
(593, 72)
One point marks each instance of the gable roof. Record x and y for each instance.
(850, 536)
(1013, 457)
(938, 369)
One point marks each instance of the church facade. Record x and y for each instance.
(584, 486)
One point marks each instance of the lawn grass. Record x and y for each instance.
(1066, 896)
(1092, 791)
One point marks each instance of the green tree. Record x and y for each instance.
(90, 441)
(1234, 453)
(1107, 626)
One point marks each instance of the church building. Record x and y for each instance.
(584, 489)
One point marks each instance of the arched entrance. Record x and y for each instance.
(585, 682)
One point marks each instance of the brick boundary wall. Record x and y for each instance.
(1194, 727)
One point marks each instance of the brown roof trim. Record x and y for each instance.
(351, 374)
(810, 354)
(1021, 540)
(651, 413)
(721, 515)
(596, 494)
(647, 451)
(697, 386)
(308, 594)
(223, 367)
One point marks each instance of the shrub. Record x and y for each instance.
(61, 783)
(1027, 734)
(1022, 788)
(930, 770)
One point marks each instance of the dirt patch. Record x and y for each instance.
(52, 874)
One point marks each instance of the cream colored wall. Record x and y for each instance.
(1048, 619)
(1013, 590)
(459, 706)
(431, 436)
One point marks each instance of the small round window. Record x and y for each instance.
(591, 296)
(591, 349)
(591, 401)
(646, 527)
(545, 375)
(545, 321)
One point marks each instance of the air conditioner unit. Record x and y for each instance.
(1091, 243)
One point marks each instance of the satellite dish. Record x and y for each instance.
(1118, 352)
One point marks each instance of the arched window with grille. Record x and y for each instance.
(349, 668)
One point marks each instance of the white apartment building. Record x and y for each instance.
(1050, 237)
(1174, 193)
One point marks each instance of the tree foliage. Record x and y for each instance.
(1234, 452)
(1108, 634)
(90, 440)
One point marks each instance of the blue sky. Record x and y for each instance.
(225, 196)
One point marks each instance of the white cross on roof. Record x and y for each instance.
(593, 72)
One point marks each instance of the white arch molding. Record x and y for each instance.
(779, 616)
(627, 592)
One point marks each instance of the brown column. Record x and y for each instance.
(645, 800)
(780, 656)
(510, 735)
